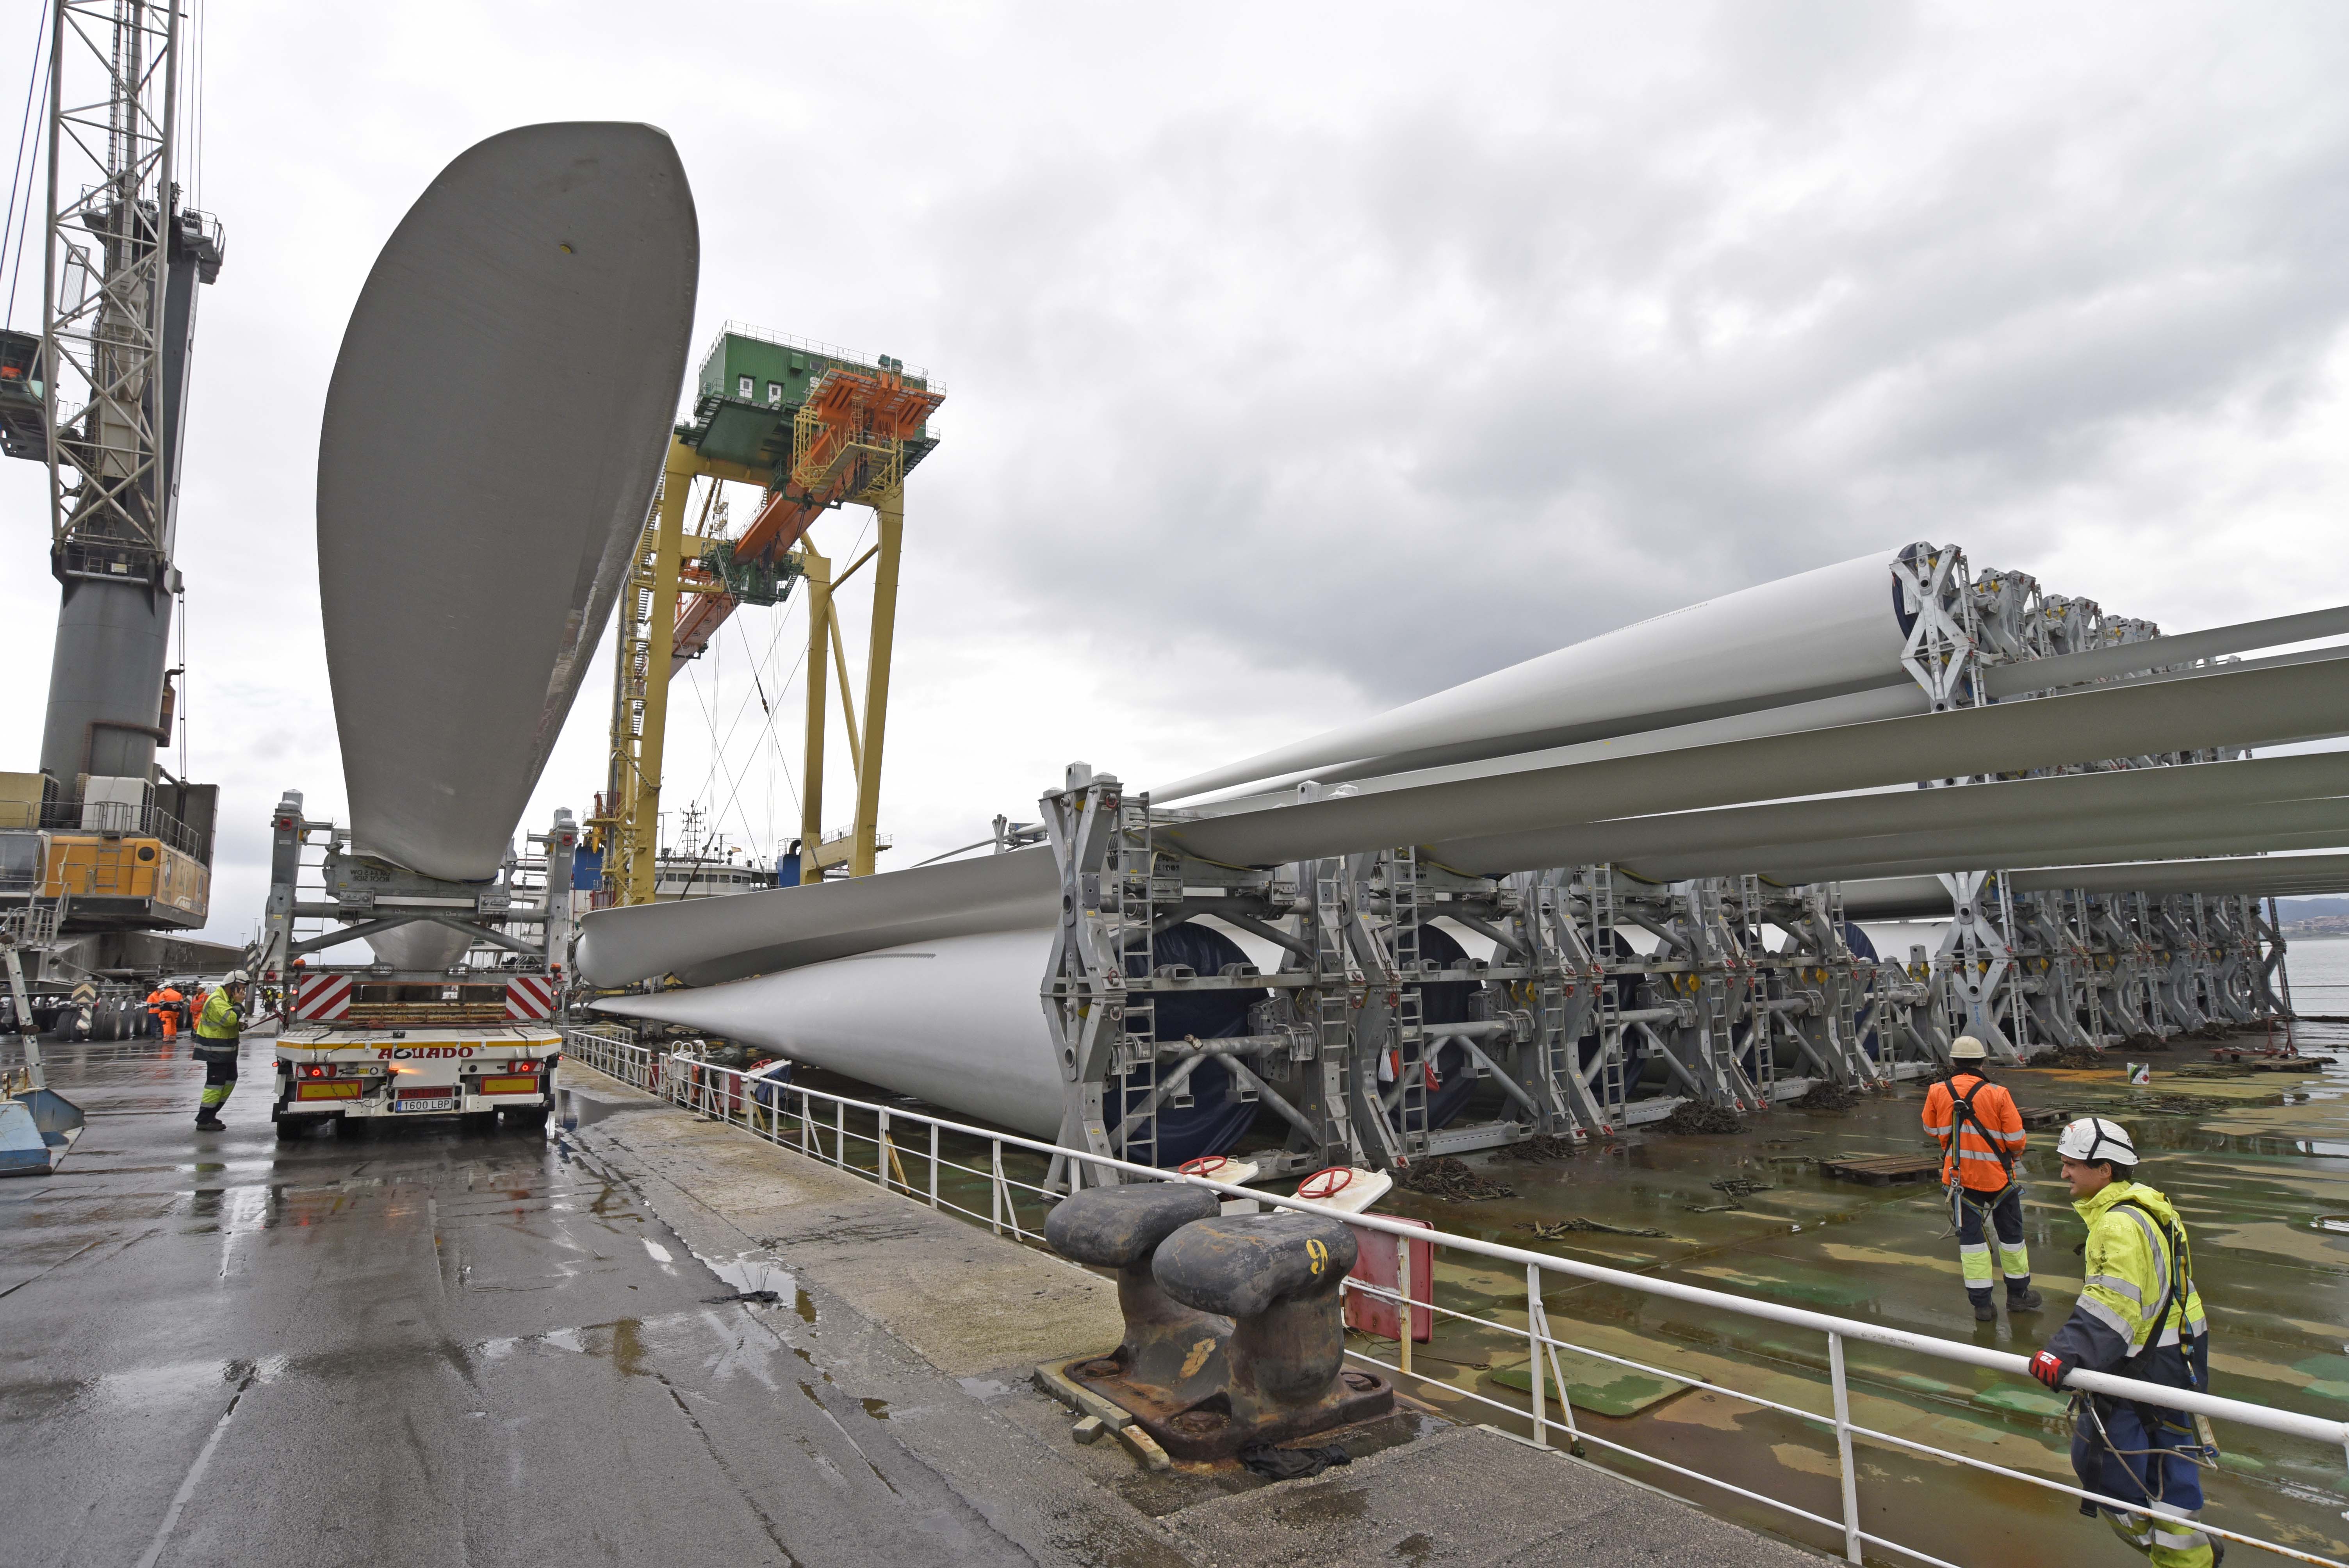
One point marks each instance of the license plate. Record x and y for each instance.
(427, 1102)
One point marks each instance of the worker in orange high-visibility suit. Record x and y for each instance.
(1981, 1134)
(165, 1004)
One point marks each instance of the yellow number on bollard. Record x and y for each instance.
(1318, 1252)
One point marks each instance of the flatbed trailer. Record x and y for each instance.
(477, 1040)
(361, 1044)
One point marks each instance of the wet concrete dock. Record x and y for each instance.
(416, 1347)
(423, 1345)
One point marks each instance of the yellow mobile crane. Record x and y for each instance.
(104, 856)
(813, 429)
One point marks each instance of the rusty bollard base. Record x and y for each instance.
(1277, 1278)
(1171, 1356)
(1205, 1431)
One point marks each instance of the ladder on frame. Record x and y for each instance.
(1137, 911)
(1413, 1061)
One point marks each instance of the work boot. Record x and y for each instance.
(1983, 1311)
(2024, 1300)
(207, 1122)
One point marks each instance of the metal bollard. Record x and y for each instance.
(1171, 1356)
(1278, 1278)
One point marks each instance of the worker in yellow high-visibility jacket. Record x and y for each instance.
(220, 1028)
(2138, 1316)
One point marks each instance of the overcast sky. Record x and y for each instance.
(1303, 360)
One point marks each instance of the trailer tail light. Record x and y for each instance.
(317, 1071)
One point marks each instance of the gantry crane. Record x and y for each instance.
(815, 429)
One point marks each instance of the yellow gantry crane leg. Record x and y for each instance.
(668, 544)
(642, 788)
(646, 639)
(819, 604)
(889, 507)
(827, 655)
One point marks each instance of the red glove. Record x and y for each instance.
(2051, 1368)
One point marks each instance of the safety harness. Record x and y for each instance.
(2180, 1275)
(1962, 1115)
(2150, 1417)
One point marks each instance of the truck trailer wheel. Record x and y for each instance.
(532, 1116)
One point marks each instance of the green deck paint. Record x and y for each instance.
(1600, 1387)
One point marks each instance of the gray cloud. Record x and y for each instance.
(1643, 358)
(1303, 362)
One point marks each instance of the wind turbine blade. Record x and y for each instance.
(704, 941)
(2259, 705)
(495, 426)
(1734, 836)
(1815, 635)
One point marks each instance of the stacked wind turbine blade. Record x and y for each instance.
(955, 1022)
(496, 424)
(2277, 826)
(1576, 804)
(1817, 637)
(707, 941)
(1729, 840)
(2263, 876)
(2149, 659)
(1702, 743)
(2230, 706)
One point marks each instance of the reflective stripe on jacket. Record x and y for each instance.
(220, 1020)
(2128, 1264)
(1975, 1161)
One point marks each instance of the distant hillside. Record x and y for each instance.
(2298, 909)
(2314, 916)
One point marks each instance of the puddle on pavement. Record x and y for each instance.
(760, 1280)
(622, 1343)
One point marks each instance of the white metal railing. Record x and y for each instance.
(764, 1108)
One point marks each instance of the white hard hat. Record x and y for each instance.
(1966, 1048)
(2091, 1138)
(234, 977)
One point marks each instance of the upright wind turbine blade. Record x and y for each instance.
(496, 423)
